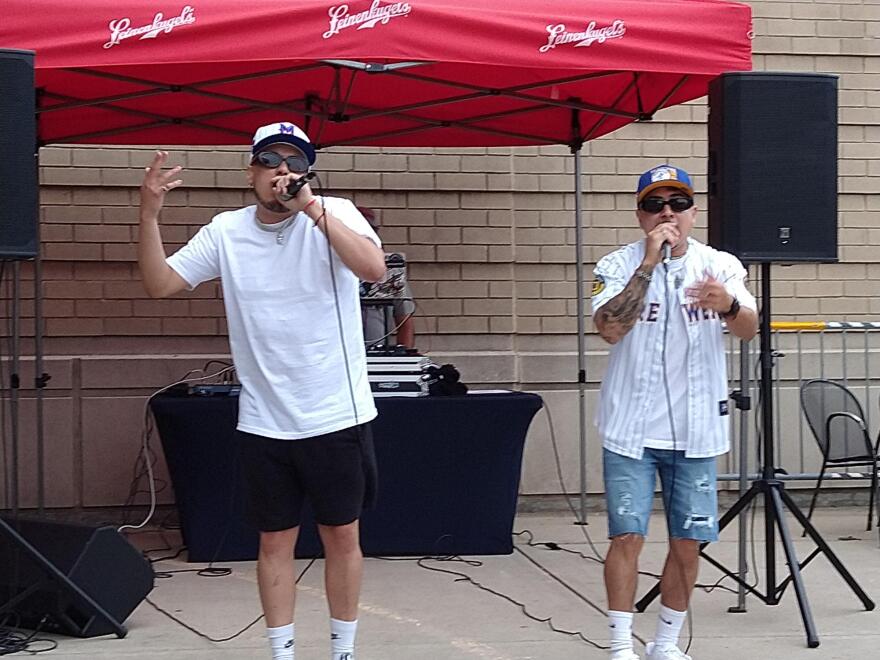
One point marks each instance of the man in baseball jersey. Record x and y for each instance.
(662, 302)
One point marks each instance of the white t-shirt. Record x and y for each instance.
(284, 331)
(660, 433)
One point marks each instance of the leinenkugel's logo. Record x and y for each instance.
(340, 18)
(558, 36)
(121, 28)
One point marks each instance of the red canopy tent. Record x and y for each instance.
(373, 72)
(369, 72)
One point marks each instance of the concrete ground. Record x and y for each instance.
(410, 612)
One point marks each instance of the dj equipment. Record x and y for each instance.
(398, 375)
(224, 389)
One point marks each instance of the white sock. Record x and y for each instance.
(669, 623)
(620, 631)
(281, 641)
(342, 639)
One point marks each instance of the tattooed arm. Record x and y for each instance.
(618, 316)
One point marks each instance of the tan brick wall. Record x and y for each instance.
(488, 232)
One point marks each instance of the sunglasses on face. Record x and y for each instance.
(271, 159)
(656, 204)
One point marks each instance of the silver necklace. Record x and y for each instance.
(277, 228)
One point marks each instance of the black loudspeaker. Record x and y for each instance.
(18, 145)
(97, 560)
(773, 166)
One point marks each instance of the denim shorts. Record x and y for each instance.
(690, 498)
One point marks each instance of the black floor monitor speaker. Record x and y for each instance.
(773, 166)
(18, 170)
(96, 560)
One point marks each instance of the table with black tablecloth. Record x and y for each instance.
(449, 469)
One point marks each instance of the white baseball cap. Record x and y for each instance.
(283, 132)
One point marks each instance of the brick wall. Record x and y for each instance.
(488, 232)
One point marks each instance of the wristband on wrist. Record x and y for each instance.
(306, 207)
(733, 311)
(643, 275)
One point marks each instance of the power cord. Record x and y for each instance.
(220, 640)
(523, 608)
(14, 641)
(397, 327)
(146, 458)
(421, 562)
(560, 547)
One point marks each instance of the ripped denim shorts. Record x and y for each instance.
(690, 497)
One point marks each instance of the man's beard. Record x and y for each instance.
(271, 204)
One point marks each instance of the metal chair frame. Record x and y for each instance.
(870, 458)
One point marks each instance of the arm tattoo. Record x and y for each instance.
(618, 316)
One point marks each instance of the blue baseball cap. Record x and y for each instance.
(664, 176)
(283, 132)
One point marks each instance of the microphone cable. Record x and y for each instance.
(669, 411)
(339, 322)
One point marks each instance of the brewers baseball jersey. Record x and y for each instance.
(633, 387)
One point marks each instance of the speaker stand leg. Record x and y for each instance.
(794, 568)
(827, 551)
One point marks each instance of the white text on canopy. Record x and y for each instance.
(557, 35)
(121, 28)
(340, 18)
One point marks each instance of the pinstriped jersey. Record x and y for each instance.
(633, 388)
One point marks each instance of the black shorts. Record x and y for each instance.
(335, 471)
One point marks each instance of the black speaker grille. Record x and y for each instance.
(18, 175)
(773, 166)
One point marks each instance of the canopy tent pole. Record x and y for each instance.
(582, 358)
(576, 145)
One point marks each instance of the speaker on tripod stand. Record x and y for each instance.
(18, 172)
(54, 577)
(773, 199)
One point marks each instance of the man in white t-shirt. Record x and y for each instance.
(663, 402)
(290, 268)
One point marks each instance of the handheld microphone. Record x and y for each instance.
(295, 186)
(666, 249)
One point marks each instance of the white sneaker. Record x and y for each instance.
(671, 653)
(625, 655)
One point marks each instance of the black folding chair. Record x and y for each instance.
(838, 423)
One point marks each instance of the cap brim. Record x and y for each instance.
(299, 143)
(668, 183)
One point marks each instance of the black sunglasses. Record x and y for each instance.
(271, 159)
(656, 204)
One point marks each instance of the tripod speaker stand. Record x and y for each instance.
(53, 577)
(776, 500)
